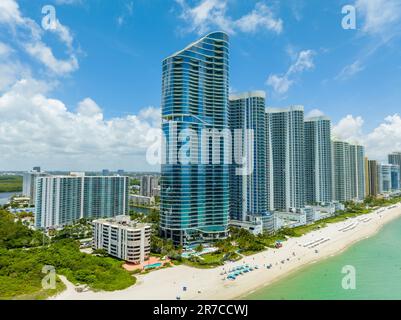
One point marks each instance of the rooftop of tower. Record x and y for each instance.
(317, 118)
(288, 109)
(196, 42)
(248, 94)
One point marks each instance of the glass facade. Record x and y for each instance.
(385, 178)
(105, 197)
(195, 195)
(318, 162)
(287, 165)
(395, 178)
(395, 158)
(357, 162)
(248, 192)
(341, 171)
(373, 178)
(63, 200)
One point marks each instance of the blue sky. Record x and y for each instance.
(104, 61)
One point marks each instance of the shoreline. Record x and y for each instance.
(204, 284)
(321, 259)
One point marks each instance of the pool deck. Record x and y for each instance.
(152, 260)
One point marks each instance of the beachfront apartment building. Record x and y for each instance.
(248, 185)
(63, 200)
(395, 177)
(149, 186)
(195, 98)
(29, 183)
(366, 166)
(357, 171)
(318, 160)
(287, 157)
(341, 171)
(395, 158)
(389, 178)
(385, 178)
(373, 178)
(123, 238)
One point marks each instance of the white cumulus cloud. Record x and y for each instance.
(314, 113)
(349, 128)
(212, 14)
(261, 17)
(282, 83)
(382, 140)
(28, 35)
(379, 16)
(35, 128)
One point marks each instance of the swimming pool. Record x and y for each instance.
(154, 265)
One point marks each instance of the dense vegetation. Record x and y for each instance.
(134, 182)
(80, 230)
(21, 268)
(10, 183)
(13, 234)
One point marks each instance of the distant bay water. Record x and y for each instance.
(5, 196)
(377, 262)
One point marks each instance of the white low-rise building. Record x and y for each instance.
(255, 223)
(123, 238)
(142, 200)
(254, 227)
(289, 219)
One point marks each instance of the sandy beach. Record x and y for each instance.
(206, 284)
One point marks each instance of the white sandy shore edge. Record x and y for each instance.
(204, 284)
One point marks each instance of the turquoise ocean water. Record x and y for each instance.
(377, 263)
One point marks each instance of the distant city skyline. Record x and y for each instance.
(85, 95)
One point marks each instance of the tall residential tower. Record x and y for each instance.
(63, 200)
(373, 178)
(318, 160)
(341, 171)
(357, 165)
(195, 99)
(395, 158)
(248, 191)
(287, 165)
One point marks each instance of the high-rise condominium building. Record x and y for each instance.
(195, 194)
(357, 163)
(29, 182)
(367, 186)
(62, 200)
(122, 238)
(287, 165)
(373, 178)
(395, 177)
(389, 178)
(248, 190)
(395, 158)
(149, 185)
(385, 182)
(318, 160)
(341, 171)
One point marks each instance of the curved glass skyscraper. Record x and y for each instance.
(195, 193)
